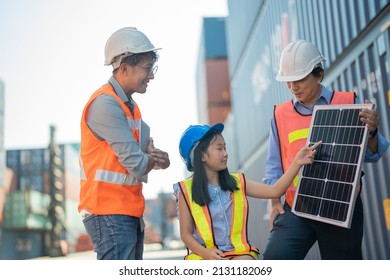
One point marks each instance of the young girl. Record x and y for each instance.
(212, 204)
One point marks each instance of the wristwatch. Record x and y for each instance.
(373, 133)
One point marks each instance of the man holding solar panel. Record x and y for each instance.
(292, 236)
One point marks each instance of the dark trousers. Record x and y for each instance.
(292, 237)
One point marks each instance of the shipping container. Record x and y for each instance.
(71, 170)
(2, 150)
(27, 210)
(355, 39)
(28, 196)
(30, 169)
(2, 204)
(212, 73)
(10, 180)
(21, 245)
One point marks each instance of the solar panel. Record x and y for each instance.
(327, 189)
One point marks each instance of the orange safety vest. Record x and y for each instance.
(293, 130)
(106, 186)
(203, 223)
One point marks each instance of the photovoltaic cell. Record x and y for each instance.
(327, 189)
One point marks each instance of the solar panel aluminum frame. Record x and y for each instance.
(323, 203)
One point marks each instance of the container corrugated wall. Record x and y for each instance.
(21, 245)
(354, 36)
(358, 61)
(2, 151)
(254, 45)
(253, 90)
(2, 154)
(244, 15)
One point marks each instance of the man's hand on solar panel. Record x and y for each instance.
(371, 119)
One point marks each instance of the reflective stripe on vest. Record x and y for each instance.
(110, 177)
(293, 130)
(115, 178)
(106, 187)
(298, 134)
(202, 219)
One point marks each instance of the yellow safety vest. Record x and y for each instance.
(203, 223)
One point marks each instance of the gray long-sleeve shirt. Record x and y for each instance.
(108, 122)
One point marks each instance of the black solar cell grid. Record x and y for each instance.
(327, 188)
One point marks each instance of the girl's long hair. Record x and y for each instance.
(200, 193)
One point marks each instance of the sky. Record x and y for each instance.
(52, 60)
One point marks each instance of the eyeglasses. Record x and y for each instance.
(150, 70)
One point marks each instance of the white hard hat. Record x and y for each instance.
(297, 61)
(124, 42)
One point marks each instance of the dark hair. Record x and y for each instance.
(136, 58)
(317, 71)
(200, 193)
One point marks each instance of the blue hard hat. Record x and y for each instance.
(192, 135)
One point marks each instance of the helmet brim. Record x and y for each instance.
(281, 78)
(218, 126)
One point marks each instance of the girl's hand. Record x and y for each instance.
(214, 254)
(307, 154)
